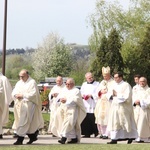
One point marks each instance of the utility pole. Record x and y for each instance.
(4, 37)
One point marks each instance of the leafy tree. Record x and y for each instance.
(113, 56)
(108, 55)
(103, 20)
(80, 55)
(61, 63)
(15, 63)
(52, 58)
(130, 23)
(145, 54)
(138, 61)
(80, 67)
(100, 59)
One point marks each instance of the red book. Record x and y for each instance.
(86, 97)
(99, 93)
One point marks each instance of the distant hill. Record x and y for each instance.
(18, 51)
(78, 51)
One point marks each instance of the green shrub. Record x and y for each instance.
(44, 95)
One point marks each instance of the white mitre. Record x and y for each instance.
(105, 70)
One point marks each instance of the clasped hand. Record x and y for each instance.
(114, 93)
(63, 100)
(19, 96)
(137, 102)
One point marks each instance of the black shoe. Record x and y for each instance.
(139, 141)
(86, 136)
(33, 137)
(54, 135)
(19, 140)
(112, 142)
(101, 136)
(32, 140)
(96, 134)
(36, 133)
(62, 140)
(1, 136)
(73, 141)
(105, 137)
(18, 143)
(129, 141)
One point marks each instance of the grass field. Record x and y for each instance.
(79, 147)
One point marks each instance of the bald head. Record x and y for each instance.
(24, 75)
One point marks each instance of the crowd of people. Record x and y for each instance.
(110, 109)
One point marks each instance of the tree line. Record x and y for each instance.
(50, 59)
(120, 38)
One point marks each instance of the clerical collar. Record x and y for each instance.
(120, 82)
(91, 82)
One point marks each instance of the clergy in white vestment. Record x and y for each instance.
(70, 114)
(141, 103)
(90, 97)
(27, 108)
(136, 80)
(6, 99)
(102, 109)
(121, 122)
(53, 98)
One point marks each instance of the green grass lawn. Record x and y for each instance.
(79, 147)
(11, 120)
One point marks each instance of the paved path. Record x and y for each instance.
(48, 139)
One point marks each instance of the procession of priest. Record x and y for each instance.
(110, 109)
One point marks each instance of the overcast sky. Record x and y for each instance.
(30, 21)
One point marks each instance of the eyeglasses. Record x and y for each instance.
(68, 83)
(21, 76)
(116, 77)
(90, 78)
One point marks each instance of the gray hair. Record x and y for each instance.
(71, 80)
(87, 74)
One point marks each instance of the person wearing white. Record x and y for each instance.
(121, 122)
(90, 97)
(136, 80)
(6, 99)
(103, 104)
(69, 114)
(53, 95)
(27, 108)
(141, 103)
